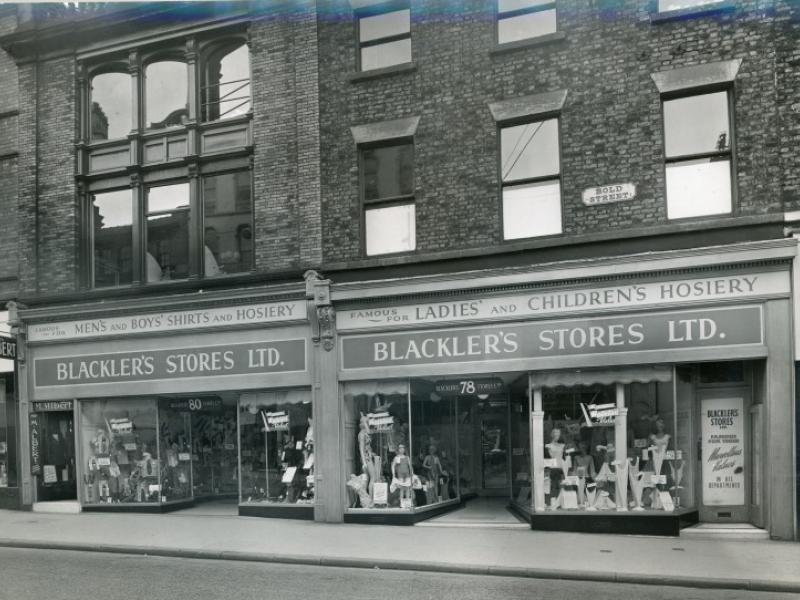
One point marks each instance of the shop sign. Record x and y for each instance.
(246, 314)
(380, 421)
(600, 415)
(569, 301)
(55, 406)
(8, 348)
(546, 339)
(275, 421)
(469, 387)
(154, 365)
(607, 194)
(196, 404)
(722, 426)
(36, 455)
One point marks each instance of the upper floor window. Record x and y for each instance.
(668, 5)
(697, 140)
(530, 176)
(523, 19)
(227, 223)
(226, 84)
(167, 220)
(112, 236)
(384, 38)
(166, 94)
(110, 101)
(387, 192)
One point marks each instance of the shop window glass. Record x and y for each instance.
(5, 451)
(228, 223)
(520, 424)
(167, 232)
(119, 446)
(531, 187)
(111, 106)
(721, 372)
(226, 92)
(384, 39)
(112, 221)
(524, 19)
(175, 441)
(277, 447)
(378, 435)
(166, 94)
(697, 142)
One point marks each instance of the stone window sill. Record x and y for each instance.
(384, 72)
(541, 40)
(714, 8)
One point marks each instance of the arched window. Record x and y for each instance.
(110, 101)
(166, 94)
(226, 88)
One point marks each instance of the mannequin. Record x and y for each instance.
(370, 463)
(555, 450)
(584, 469)
(433, 467)
(660, 440)
(402, 477)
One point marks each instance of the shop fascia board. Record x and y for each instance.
(604, 360)
(619, 266)
(197, 300)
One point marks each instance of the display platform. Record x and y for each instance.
(138, 508)
(393, 516)
(304, 512)
(630, 522)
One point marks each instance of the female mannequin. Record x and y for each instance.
(370, 463)
(555, 451)
(433, 467)
(660, 441)
(584, 470)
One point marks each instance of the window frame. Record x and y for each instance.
(537, 118)
(391, 201)
(201, 207)
(91, 272)
(220, 49)
(191, 210)
(373, 11)
(154, 58)
(730, 153)
(508, 14)
(112, 66)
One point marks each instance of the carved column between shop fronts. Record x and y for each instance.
(329, 484)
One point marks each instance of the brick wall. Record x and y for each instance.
(8, 166)
(611, 128)
(787, 60)
(47, 196)
(285, 125)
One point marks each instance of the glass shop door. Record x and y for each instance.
(724, 456)
(56, 480)
(493, 430)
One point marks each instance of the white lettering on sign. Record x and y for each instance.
(607, 194)
(277, 312)
(546, 303)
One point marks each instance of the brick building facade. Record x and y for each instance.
(406, 260)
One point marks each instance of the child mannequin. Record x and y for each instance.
(402, 476)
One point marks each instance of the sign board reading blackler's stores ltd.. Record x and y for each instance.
(673, 330)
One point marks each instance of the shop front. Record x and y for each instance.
(635, 402)
(153, 412)
(9, 490)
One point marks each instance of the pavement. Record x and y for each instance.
(708, 563)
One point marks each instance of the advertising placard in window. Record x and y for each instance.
(722, 422)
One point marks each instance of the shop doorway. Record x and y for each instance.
(55, 437)
(725, 461)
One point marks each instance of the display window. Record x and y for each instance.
(422, 443)
(614, 440)
(276, 430)
(119, 449)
